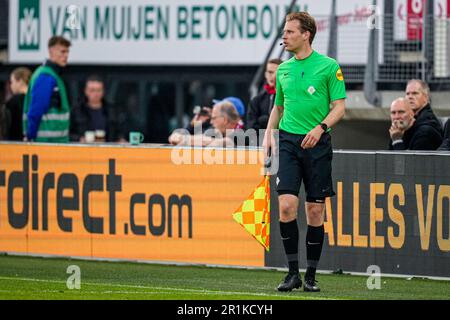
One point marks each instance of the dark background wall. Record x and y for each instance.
(413, 184)
(361, 134)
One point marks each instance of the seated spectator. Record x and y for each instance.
(94, 119)
(260, 106)
(407, 133)
(445, 146)
(418, 96)
(224, 119)
(19, 80)
(240, 108)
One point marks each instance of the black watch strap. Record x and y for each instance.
(324, 126)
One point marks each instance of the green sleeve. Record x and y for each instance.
(279, 97)
(336, 84)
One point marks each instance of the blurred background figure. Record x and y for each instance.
(94, 119)
(418, 96)
(19, 80)
(159, 97)
(407, 132)
(260, 106)
(224, 121)
(46, 108)
(201, 120)
(428, 127)
(238, 105)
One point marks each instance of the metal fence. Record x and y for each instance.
(401, 58)
(345, 38)
(441, 54)
(422, 52)
(401, 50)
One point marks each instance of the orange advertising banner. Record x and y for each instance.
(138, 203)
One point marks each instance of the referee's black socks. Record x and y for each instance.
(314, 243)
(289, 236)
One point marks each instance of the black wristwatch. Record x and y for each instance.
(324, 127)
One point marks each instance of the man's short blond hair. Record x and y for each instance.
(423, 86)
(307, 23)
(55, 40)
(22, 73)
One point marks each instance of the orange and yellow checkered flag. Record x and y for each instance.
(254, 213)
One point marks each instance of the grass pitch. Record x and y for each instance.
(46, 278)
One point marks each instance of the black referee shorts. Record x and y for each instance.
(312, 166)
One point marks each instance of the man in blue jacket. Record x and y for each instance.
(46, 107)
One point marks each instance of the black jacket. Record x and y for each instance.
(5, 122)
(80, 119)
(445, 146)
(425, 134)
(259, 110)
(14, 108)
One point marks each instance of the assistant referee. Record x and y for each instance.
(306, 85)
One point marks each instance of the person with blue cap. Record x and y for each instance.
(240, 108)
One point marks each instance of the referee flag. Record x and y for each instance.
(254, 213)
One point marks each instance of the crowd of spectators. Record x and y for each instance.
(39, 110)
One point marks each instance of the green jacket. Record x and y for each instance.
(54, 125)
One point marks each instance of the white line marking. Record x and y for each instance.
(164, 289)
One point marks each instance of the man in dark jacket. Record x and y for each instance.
(93, 119)
(410, 133)
(418, 97)
(260, 106)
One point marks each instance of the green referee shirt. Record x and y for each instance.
(305, 88)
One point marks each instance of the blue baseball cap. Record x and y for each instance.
(237, 103)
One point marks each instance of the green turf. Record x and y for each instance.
(39, 278)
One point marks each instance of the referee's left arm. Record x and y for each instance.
(336, 89)
(337, 112)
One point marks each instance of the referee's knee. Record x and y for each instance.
(315, 213)
(288, 208)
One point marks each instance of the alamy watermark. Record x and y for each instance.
(374, 280)
(374, 20)
(74, 280)
(73, 17)
(207, 148)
